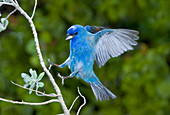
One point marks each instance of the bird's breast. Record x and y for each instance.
(79, 47)
(81, 54)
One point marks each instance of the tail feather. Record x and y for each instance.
(101, 92)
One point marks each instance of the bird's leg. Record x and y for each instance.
(51, 64)
(67, 62)
(61, 65)
(70, 76)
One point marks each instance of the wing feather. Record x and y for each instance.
(111, 42)
(128, 38)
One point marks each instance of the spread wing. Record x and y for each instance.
(112, 43)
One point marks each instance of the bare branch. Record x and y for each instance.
(6, 3)
(57, 89)
(28, 103)
(43, 94)
(73, 102)
(83, 99)
(35, 5)
(16, 2)
(10, 14)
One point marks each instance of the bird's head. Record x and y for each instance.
(74, 32)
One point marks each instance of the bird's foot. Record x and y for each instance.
(66, 77)
(63, 78)
(51, 64)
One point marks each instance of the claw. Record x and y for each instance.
(63, 78)
(51, 64)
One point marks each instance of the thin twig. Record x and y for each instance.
(37, 90)
(6, 3)
(16, 2)
(48, 95)
(73, 102)
(35, 5)
(10, 14)
(62, 78)
(83, 99)
(28, 103)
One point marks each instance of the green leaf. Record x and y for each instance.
(26, 77)
(40, 84)
(31, 82)
(40, 76)
(33, 73)
(3, 24)
(31, 87)
(26, 85)
(23, 75)
(27, 80)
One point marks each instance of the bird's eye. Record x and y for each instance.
(75, 33)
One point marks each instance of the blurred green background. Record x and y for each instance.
(140, 78)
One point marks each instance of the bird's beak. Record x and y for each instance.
(69, 37)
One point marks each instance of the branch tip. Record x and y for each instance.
(83, 103)
(36, 91)
(62, 78)
(28, 103)
(33, 13)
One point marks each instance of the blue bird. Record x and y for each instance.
(92, 43)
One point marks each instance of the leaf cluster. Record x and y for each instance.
(33, 80)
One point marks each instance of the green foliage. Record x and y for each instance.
(139, 78)
(33, 80)
(3, 24)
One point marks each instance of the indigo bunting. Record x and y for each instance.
(92, 43)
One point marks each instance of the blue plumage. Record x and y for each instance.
(92, 43)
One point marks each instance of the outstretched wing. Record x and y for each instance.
(112, 43)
